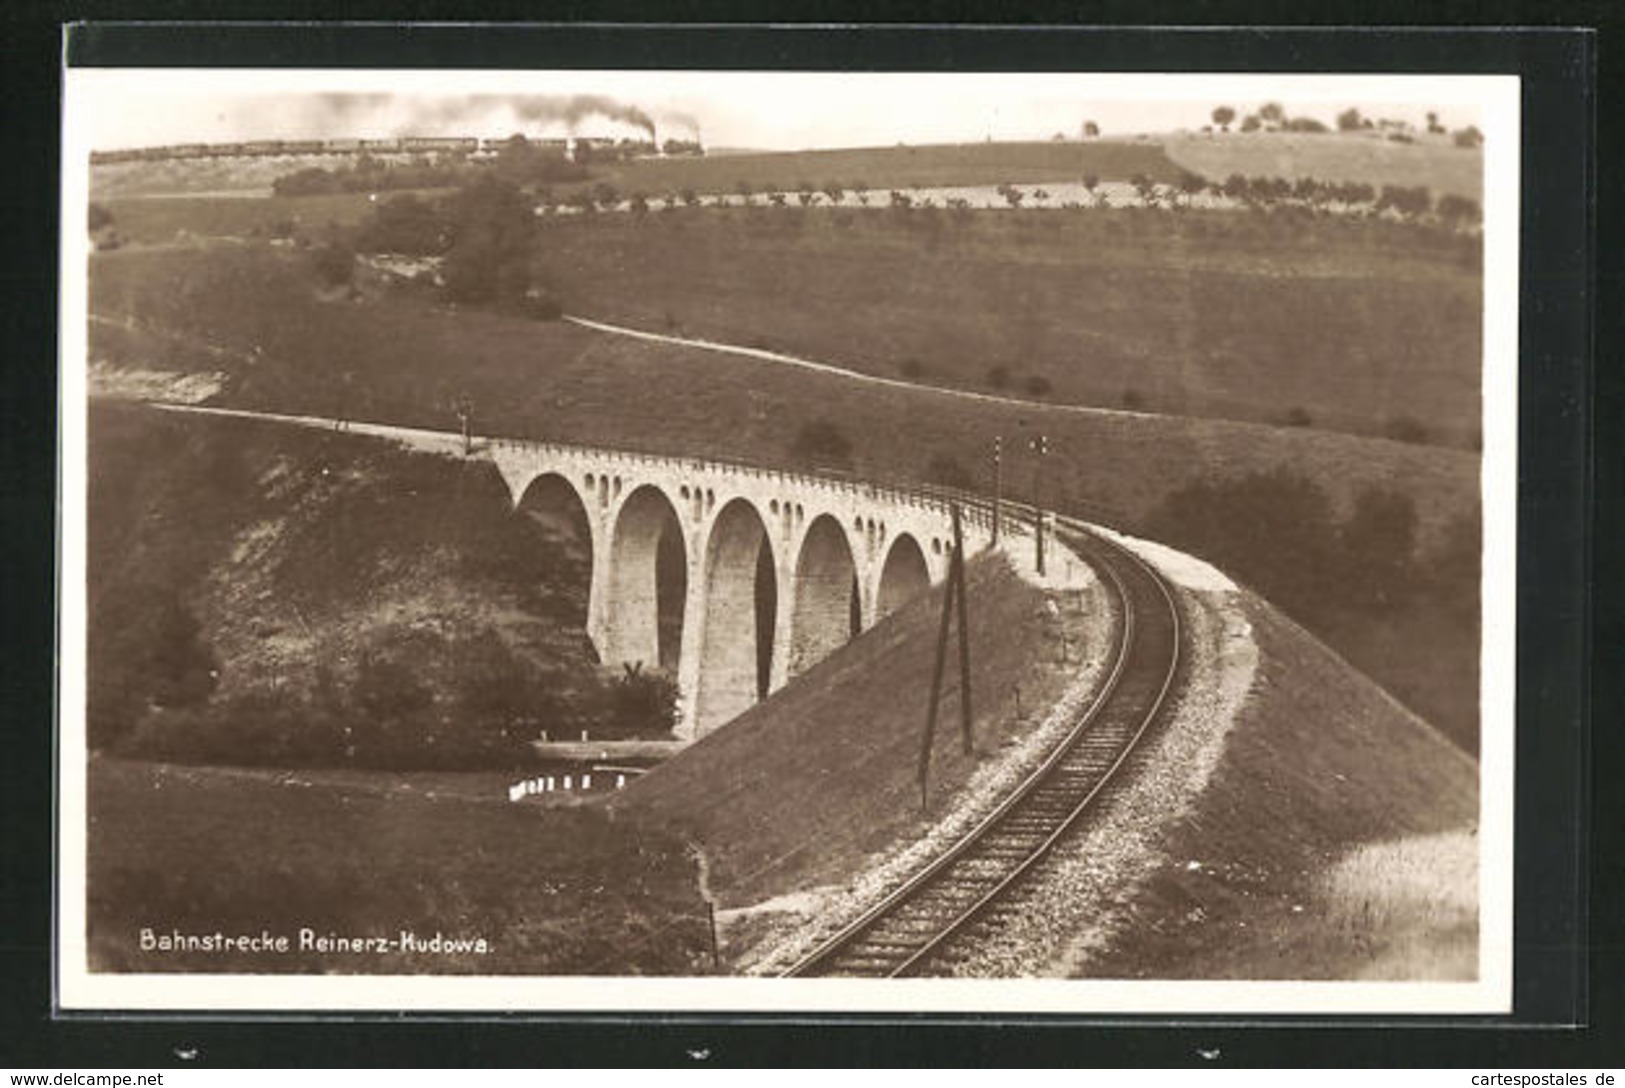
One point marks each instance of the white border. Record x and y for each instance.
(1497, 98)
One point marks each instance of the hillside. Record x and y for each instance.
(252, 317)
(1431, 161)
(258, 593)
(1288, 820)
(1342, 325)
(1335, 837)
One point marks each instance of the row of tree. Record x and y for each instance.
(1271, 117)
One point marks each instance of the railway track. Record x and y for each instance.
(923, 925)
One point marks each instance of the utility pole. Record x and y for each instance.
(953, 594)
(998, 483)
(465, 417)
(1040, 447)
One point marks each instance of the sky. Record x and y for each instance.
(769, 110)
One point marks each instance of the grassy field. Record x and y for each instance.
(158, 220)
(1345, 325)
(892, 167)
(408, 359)
(1431, 161)
(1357, 799)
(202, 850)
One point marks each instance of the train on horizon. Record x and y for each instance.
(571, 147)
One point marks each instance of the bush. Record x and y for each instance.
(1038, 385)
(1299, 417)
(1272, 529)
(1133, 399)
(1405, 429)
(334, 263)
(822, 444)
(405, 224)
(1378, 544)
(642, 704)
(912, 368)
(945, 469)
(998, 377)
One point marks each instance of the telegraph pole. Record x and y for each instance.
(465, 416)
(998, 483)
(1040, 447)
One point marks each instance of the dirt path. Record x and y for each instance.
(780, 358)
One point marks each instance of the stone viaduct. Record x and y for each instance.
(733, 577)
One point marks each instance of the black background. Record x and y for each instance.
(1570, 973)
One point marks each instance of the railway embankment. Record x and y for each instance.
(1285, 818)
(808, 806)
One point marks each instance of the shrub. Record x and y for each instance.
(1405, 429)
(998, 377)
(1299, 417)
(334, 263)
(912, 368)
(642, 704)
(822, 444)
(1038, 385)
(1272, 529)
(1378, 545)
(1133, 399)
(945, 469)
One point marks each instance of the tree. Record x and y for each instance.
(1222, 117)
(1434, 127)
(1191, 183)
(1458, 211)
(408, 225)
(1272, 529)
(489, 260)
(1468, 137)
(1349, 120)
(1091, 130)
(1271, 113)
(1250, 123)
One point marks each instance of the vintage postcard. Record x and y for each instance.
(768, 541)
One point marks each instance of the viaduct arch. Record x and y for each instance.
(734, 578)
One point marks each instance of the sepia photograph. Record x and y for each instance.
(782, 540)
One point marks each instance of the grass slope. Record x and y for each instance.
(552, 891)
(1200, 313)
(1433, 162)
(304, 555)
(1307, 838)
(817, 781)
